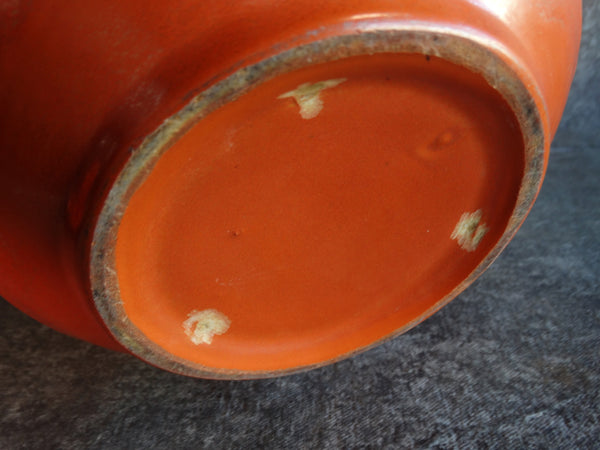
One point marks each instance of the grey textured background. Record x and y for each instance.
(513, 362)
(580, 125)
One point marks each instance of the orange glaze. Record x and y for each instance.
(322, 235)
(82, 84)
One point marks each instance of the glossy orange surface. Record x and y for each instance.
(309, 236)
(83, 83)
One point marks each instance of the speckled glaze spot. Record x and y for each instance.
(308, 96)
(201, 326)
(469, 231)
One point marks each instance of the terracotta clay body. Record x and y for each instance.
(237, 190)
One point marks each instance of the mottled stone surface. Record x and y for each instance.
(513, 362)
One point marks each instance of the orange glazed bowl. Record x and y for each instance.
(237, 190)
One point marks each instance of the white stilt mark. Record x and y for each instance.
(469, 231)
(308, 96)
(201, 326)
